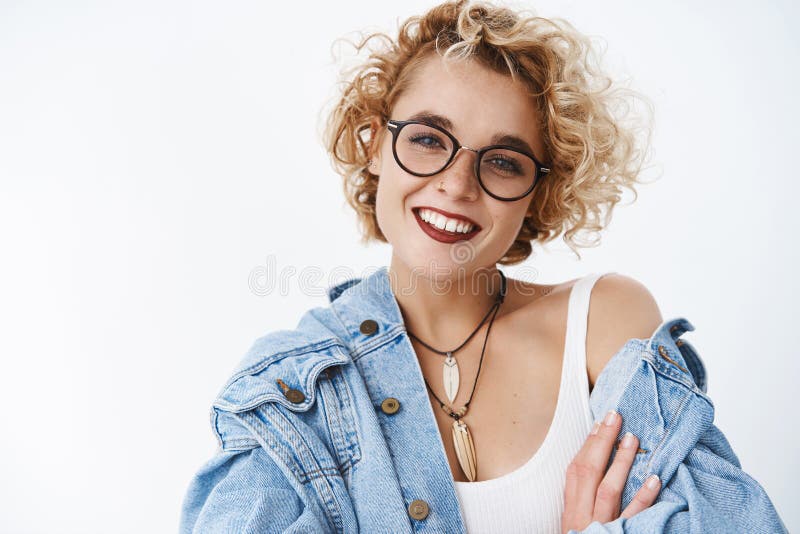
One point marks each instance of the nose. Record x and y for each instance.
(459, 175)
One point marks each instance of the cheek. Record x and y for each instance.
(380, 204)
(393, 193)
(508, 225)
(388, 204)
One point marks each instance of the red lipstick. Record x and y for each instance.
(443, 236)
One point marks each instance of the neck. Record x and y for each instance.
(443, 308)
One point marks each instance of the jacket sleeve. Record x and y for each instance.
(243, 492)
(708, 493)
(659, 386)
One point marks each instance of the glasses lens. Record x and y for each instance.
(507, 173)
(422, 149)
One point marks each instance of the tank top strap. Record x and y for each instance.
(577, 321)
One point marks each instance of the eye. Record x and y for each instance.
(505, 164)
(425, 140)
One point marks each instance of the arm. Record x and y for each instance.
(704, 488)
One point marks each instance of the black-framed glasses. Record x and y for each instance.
(504, 172)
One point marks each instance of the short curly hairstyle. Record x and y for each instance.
(594, 144)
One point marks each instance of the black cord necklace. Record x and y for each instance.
(462, 439)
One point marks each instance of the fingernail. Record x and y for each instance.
(596, 427)
(652, 481)
(611, 417)
(627, 441)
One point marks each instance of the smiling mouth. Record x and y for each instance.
(434, 230)
(445, 222)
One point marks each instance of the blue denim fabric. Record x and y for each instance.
(336, 462)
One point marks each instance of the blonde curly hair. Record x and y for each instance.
(592, 138)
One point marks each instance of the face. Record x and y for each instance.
(480, 104)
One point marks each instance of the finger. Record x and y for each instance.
(644, 497)
(609, 492)
(573, 484)
(598, 451)
(589, 465)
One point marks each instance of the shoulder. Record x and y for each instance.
(620, 308)
(283, 366)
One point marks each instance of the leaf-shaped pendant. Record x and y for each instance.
(450, 377)
(465, 449)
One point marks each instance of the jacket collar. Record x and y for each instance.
(359, 300)
(667, 345)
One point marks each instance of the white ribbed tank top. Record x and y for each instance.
(531, 498)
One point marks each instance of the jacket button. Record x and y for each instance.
(368, 327)
(390, 405)
(418, 509)
(295, 395)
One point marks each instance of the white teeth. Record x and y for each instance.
(444, 223)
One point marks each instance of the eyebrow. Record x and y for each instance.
(500, 138)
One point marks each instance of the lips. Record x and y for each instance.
(443, 236)
(449, 215)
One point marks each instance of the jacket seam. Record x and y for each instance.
(669, 371)
(215, 426)
(334, 516)
(365, 348)
(669, 429)
(339, 416)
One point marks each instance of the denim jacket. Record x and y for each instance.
(328, 428)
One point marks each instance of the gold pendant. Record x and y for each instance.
(465, 449)
(450, 377)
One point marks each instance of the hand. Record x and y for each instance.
(591, 494)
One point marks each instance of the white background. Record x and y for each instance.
(154, 155)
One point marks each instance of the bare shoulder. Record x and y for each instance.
(620, 308)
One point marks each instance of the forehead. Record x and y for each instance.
(478, 101)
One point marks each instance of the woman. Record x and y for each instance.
(437, 393)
